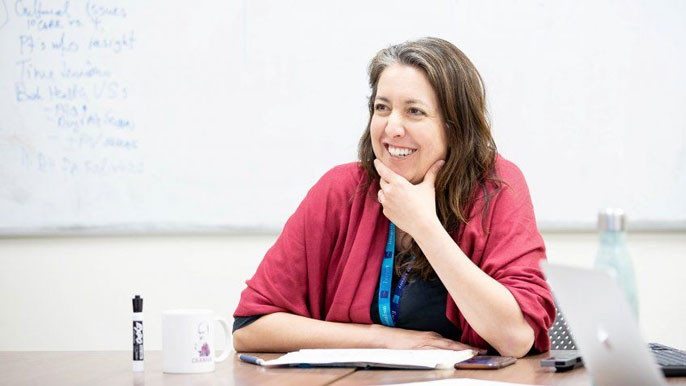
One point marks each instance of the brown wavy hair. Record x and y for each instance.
(471, 155)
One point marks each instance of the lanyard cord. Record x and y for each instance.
(389, 304)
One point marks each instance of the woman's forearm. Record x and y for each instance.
(488, 306)
(283, 332)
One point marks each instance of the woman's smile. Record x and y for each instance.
(400, 153)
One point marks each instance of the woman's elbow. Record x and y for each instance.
(517, 351)
(240, 343)
(518, 344)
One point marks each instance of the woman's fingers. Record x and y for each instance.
(463, 346)
(430, 176)
(384, 184)
(442, 344)
(385, 189)
(448, 344)
(386, 173)
(400, 338)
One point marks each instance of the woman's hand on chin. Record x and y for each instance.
(411, 208)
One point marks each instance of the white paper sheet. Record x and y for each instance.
(434, 359)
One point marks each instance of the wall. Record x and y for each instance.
(75, 293)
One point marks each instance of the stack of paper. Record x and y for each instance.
(406, 359)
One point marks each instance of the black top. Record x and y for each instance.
(422, 308)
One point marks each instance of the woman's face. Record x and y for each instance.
(407, 125)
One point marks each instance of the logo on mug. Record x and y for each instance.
(202, 347)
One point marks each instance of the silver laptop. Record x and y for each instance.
(604, 329)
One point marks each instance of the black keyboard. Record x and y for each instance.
(671, 360)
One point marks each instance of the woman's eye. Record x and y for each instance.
(380, 107)
(415, 111)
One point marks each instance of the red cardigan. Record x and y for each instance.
(326, 262)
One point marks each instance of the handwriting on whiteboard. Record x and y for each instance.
(71, 82)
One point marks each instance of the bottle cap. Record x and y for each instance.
(137, 304)
(612, 219)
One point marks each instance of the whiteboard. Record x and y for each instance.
(130, 116)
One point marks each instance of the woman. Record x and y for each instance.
(460, 266)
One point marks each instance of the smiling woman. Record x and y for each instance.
(430, 241)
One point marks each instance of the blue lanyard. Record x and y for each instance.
(389, 304)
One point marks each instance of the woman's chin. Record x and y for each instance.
(413, 177)
(398, 170)
(408, 175)
(404, 171)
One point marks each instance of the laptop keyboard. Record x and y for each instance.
(672, 362)
(668, 356)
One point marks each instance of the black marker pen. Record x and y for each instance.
(138, 364)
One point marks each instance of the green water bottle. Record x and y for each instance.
(613, 255)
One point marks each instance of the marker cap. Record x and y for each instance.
(137, 304)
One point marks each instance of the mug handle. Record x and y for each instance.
(225, 325)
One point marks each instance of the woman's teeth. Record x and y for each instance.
(400, 152)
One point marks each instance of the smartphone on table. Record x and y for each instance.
(485, 362)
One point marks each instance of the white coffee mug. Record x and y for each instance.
(188, 341)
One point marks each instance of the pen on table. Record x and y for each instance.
(251, 359)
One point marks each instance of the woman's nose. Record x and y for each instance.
(395, 126)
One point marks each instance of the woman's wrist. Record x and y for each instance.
(427, 230)
(375, 336)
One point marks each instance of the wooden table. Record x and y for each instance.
(114, 368)
(526, 371)
(105, 368)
